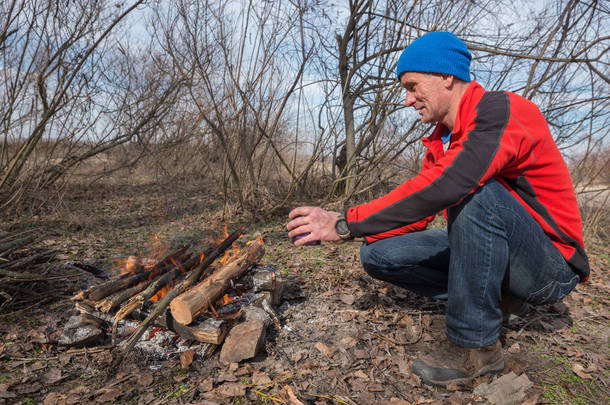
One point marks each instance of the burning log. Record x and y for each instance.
(191, 280)
(113, 301)
(195, 301)
(138, 301)
(103, 290)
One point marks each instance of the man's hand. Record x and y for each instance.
(318, 222)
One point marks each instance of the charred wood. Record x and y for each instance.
(208, 331)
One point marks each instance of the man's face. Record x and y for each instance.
(427, 93)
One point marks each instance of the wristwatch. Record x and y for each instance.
(342, 229)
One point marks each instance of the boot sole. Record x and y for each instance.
(494, 368)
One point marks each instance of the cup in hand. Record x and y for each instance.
(302, 235)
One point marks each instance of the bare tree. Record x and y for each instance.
(245, 68)
(72, 90)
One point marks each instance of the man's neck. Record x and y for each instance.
(454, 103)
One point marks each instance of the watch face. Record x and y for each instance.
(341, 226)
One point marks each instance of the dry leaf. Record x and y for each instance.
(231, 390)
(146, 379)
(246, 369)
(452, 386)
(186, 358)
(258, 378)
(226, 376)
(36, 366)
(206, 385)
(328, 351)
(180, 378)
(348, 299)
(51, 376)
(403, 365)
(508, 389)
(292, 399)
(107, 395)
(514, 348)
(348, 341)
(53, 398)
(360, 374)
(579, 370)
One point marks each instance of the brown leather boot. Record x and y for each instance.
(459, 364)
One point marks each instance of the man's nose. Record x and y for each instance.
(409, 99)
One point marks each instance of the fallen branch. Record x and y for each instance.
(16, 244)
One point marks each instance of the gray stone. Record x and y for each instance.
(255, 313)
(83, 335)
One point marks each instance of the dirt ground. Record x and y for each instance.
(344, 338)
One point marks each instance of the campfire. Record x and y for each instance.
(184, 301)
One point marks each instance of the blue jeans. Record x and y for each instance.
(491, 246)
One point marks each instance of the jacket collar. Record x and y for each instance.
(468, 103)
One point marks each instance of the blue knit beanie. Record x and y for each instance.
(436, 52)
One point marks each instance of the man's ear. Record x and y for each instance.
(448, 80)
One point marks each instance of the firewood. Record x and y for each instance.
(144, 290)
(89, 268)
(196, 300)
(115, 300)
(103, 290)
(7, 236)
(88, 309)
(137, 301)
(208, 331)
(267, 278)
(177, 290)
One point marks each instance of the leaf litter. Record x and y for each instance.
(344, 338)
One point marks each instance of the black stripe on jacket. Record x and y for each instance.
(458, 179)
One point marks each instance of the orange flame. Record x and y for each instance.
(230, 254)
(224, 300)
(129, 265)
(161, 293)
(259, 238)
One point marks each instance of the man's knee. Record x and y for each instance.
(368, 258)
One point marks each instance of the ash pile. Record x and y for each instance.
(187, 304)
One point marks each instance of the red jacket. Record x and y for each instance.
(496, 135)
